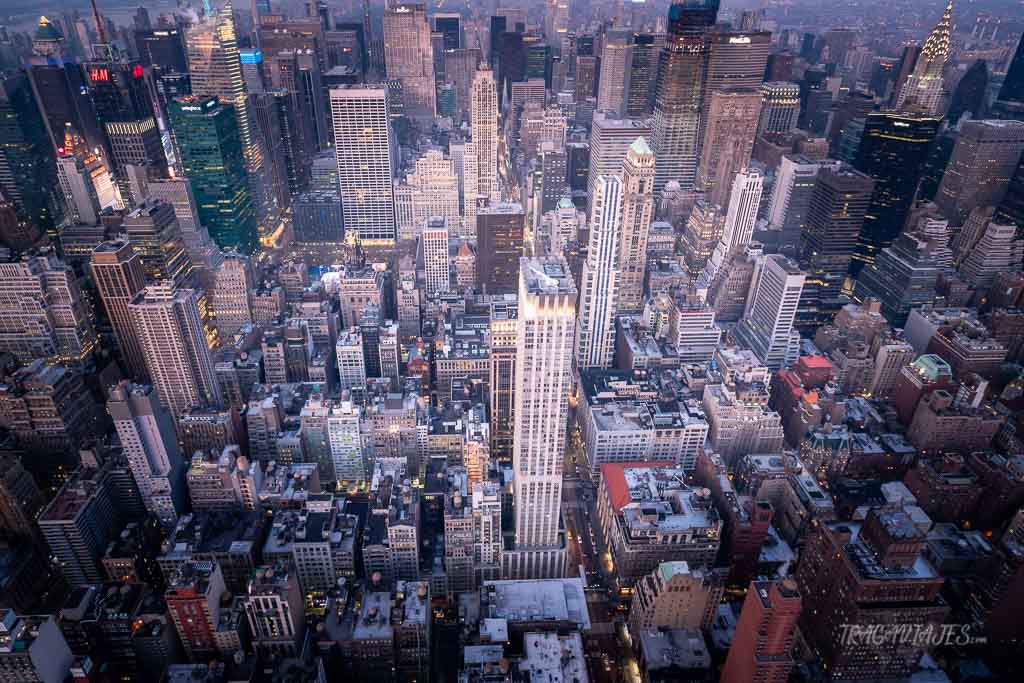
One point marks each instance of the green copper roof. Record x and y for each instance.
(931, 367)
(565, 203)
(640, 146)
(670, 569)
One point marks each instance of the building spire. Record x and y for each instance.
(936, 48)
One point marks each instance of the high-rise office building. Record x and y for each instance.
(499, 235)
(678, 102)
(610, 138)
(43, 312)
(317, 217)
(547, 316)
(173, 342)
(971, 94)
(435, 256)
(212, 157)
(761, 650)
(483, 112)
(835, 218)
(232, 292)
(119, 277)
(409, 56)
(978, 174)
(613, 83)
(556, 21)
(767, 324)
(28, 169)
(643, 73)
(791, 198)
(366, 150)
(1011, 209)
(728, 139)
(742, 212)
(704, 229)
(502, 375)
(153, 232)
(147, 436)
(780, 107)
(893, 150)
(902, 277)
(1010, 102)
(215, 69)
(922, 91)
(599, 282)
(637, 212)
(736, 59)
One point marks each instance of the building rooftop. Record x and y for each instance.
(541, 600)
(374, 622)
(547, 275)
(552, 658)
(681, 648)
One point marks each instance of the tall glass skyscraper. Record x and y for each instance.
(678, 101)
(893, 150)
(210, 151)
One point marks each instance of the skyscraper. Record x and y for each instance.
(1010, 102)
(147, 436)
(599, 282)
(215, 69)
(613, 84)
(780, 107)
(978, 174)
(119, 277)
(28, 170)
(736, 59)
(678, 102)
(173, 343)
(791, 198)
(483, 112)
(761, 648)
(893, 150)
(409, 56)
(728, 139)
(742, 213)
(637, 211)
(435, 255)
(922, 91)
(502, 376)
(767, 324)
(212, 158)
(499, 235)
(366, 150)
(835, 217)
(610, 138)
(547, 316)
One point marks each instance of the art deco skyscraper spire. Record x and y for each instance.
(923, 88)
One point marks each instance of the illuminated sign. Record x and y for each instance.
(900, 124)
(137, 71)
(740, 40)
(97, 73)
(191, 108)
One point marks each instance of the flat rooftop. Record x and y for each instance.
(540, 600)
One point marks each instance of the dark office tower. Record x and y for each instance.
(117, 271)
(969, 95)
(267, 117)
(28, 169)
(839, 41)
(298, 145)
(835, 217)
(299, 72)
(63, 98)
(815, 102)
(121, 99)
(1010, 102)
(735, 59)
(762, 647)
(163, 49)
(346, 46)
(511, 58)
(450, 27)
(935, 165)
(317, 217)
(903, 70)
(893, 150)
(536, 59)
(642, 76)
(369, 331)
(210, 153)
(499, 234)
(675, 136)
(577, 165)
(984, 159)
(1011, 209)
(902, 277)
(499, 24)
(854, 106)
(882, 76)
(154, 233)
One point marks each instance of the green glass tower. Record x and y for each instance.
(210, 151)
